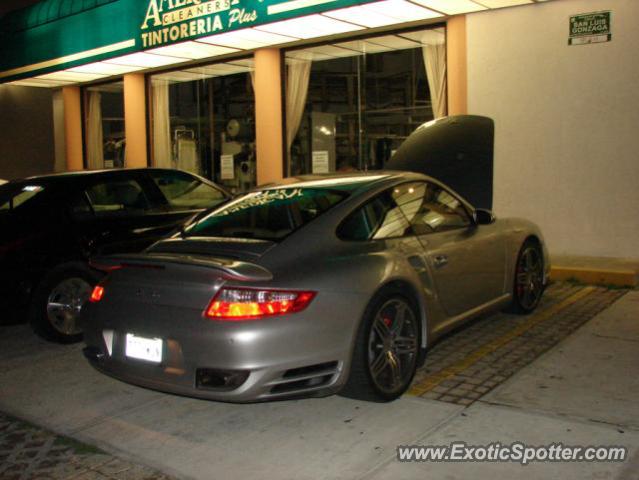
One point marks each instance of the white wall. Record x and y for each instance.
(566, 122)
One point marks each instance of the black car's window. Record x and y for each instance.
(377, 219)
(429, 207)
(12, 197)
(267, 214)
(80, 208)
(185, 192)
(117, 197)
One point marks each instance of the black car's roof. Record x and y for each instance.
(86, 173)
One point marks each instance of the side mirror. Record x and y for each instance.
(484, 216)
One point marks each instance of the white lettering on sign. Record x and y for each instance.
(166, 12)
(185, 30)
(240, 16)
(176, 20)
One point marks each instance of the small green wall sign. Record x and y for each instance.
(590, 28)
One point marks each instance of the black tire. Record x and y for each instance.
(399, 358)
(528, 281)
(61, 324)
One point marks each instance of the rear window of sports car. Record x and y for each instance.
(268, 214)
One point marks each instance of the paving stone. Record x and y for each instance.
(495, 366)
(31, 453)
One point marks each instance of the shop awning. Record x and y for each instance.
(47, 11)
(60, 42)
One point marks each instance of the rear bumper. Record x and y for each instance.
(307, 353)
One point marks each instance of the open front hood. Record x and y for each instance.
(456, 150)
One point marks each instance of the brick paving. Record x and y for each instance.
(473, 360)
(32, 453)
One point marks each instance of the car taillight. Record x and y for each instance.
(247, 304)
(96, 294)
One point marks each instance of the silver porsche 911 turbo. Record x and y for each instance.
(316, 285)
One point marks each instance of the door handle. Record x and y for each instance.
(440, 260)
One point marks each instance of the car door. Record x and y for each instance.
(466, 260)
(381, 219)
(113, 213)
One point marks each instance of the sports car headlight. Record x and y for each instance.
(249, 304)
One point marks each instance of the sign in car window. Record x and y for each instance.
(590, 28)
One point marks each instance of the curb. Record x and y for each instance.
(594, 276)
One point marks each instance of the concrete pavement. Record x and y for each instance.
(582, 391)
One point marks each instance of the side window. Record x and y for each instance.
(184, 192)
(80, 208)
(377, 219)
(428, 207)
(120, 197)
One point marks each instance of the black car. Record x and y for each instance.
(51, 225)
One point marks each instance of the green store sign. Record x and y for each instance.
(590, 28)
(56, 34)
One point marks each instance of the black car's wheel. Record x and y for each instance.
(386, 350)
(529, 278)
(54, 312)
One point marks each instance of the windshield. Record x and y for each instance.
(13, 196)
(267, 214)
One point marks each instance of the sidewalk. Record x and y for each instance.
(30, 452)
(583, 391)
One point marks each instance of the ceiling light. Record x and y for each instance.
(103, 68)
(311, 26)
(192, 50)
(174, 77)
(503, 3)
(247, 39)
(32, 82)
(387, 12)
(324, 52)
(394, 43)
(70, 76)
(362, 46)
(145, 60)
(452, 7)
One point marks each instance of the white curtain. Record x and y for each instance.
(95, 143)
(299, 72)
(162, 154)
(435, 61)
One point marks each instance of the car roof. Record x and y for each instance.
(342, 181)
(87, 173)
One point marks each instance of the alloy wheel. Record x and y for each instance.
(64, 304)
(392, 346)
(530, 272)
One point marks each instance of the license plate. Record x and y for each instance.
(142, 348)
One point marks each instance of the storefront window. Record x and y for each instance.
(203, 121)
(349, 105)
(104, 125)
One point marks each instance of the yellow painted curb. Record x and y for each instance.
(593, 276)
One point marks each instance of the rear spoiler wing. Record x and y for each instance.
(231, 269)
